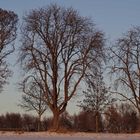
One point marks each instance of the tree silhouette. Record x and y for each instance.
(125, 60)
(58, 46)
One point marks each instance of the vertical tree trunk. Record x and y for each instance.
(39, 123)
(97, 123)
(56, 116)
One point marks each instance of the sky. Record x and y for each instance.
(113, 17)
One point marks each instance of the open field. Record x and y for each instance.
(68, 136)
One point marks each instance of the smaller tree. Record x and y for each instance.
(97, 97)
(32, 100)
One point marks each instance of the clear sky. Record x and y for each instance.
(114, 17)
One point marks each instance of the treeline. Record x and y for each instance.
(18, 122)
(117, 119)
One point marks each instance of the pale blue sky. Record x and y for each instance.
(113, 17)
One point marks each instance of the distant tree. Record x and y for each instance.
(125, 61)
(58, 46)
(30, 123)
(2, 122)
(65, 121)
(97, 97)
(121, 119)
(129, 118)
(8, 28)
(13, 121)
(47, 123)
(86, 121)
(32, 100)
(81, 122)
(113, 117)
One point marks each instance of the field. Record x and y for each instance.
(70, 136)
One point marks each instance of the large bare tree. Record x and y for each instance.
(58, 46)
(8, 28)
(126, 66)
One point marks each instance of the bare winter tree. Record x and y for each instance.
(8, 27)
(58, 46)
(97, 96)
(126, 66)
(32, 100)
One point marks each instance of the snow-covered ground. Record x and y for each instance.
(70, 136)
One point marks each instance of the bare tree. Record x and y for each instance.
(125, 62)
(8, 24)
(58, 46)
(32, 100)
(97, 96)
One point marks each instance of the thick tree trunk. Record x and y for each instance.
(55, 124)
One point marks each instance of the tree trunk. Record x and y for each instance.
(56, 116)
(97, 123)
(39, 123)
